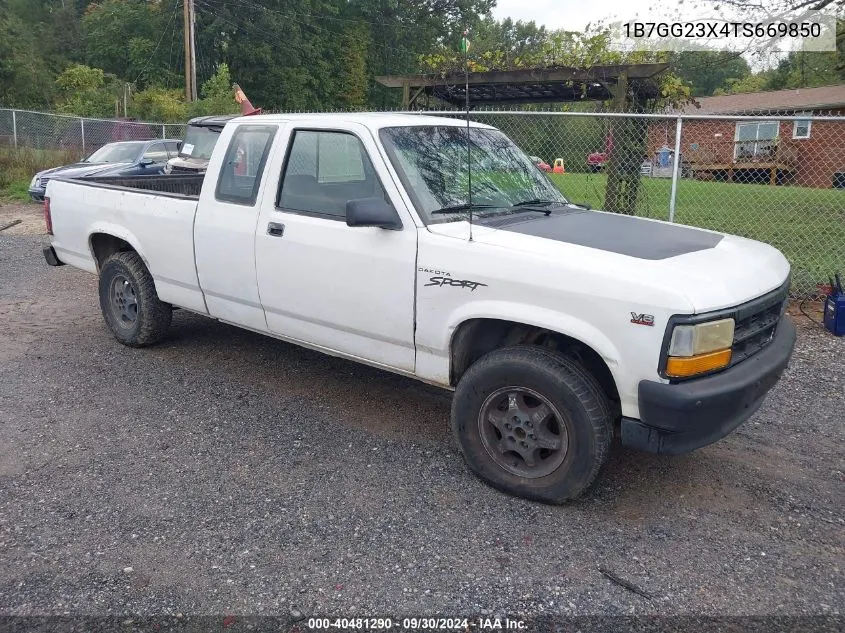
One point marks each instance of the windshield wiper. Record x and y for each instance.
(457, 208)
(529, 205)
(537, 201)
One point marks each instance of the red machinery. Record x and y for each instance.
(597, 160)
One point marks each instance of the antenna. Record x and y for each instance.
(465, 48)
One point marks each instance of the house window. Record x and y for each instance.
(801, 127)
(755, 141)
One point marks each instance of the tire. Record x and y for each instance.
(521, 380)
(125, 282)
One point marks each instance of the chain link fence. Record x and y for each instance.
(80, 135)
(777, 179)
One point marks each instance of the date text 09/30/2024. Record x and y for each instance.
(420, 624)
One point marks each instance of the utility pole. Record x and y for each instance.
(190, 51)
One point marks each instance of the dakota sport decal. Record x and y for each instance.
(458, 283)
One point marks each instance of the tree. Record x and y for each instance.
(217, 95)
(750, 83)
(87, 91)
(352, 83)
(125, 37)
(807, 70)
(26, 80)
(166, 105)
(707, 71)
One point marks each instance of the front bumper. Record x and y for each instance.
(37, 194)
(679, 418)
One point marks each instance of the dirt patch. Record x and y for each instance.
(30, 214)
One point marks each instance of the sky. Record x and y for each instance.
(574, 15)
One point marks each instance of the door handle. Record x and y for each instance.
(275, 229)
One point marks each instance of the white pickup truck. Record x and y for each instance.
(555, 325)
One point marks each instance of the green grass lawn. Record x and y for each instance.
(18, 166)
(806, 224)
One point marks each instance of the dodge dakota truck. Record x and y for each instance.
(438, 250)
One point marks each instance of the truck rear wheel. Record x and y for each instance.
(128, 300)
(532, 423)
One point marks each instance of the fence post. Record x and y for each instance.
(82, 128)
(163, 131)
(15, 128)
(676, 167)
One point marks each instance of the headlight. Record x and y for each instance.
(700, 348)
(34, 182)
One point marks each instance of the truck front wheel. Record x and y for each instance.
(128, 300)
(532, 423)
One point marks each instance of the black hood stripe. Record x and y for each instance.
(623, 234)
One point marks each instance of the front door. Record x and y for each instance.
(342, 288)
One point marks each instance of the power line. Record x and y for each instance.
(160, 40)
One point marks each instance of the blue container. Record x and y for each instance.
(834, 314)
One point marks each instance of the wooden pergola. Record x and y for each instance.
(538, 85)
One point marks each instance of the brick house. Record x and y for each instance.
(802, 153)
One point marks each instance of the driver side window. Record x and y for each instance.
(325, 170)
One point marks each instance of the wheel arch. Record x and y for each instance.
(475, 336)
(104, 241)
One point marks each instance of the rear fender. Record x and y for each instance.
(120, 232)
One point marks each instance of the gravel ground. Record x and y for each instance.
(225, 472)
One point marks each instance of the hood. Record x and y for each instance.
(711, 270)
(186, 163)
(77, 170)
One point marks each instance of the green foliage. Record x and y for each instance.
(354, 45)
(708, 71)
(217, 95)
(17, 166)
(806, 70)
(87, 91)
(25, 78)
(315, 54)
(124, 37)
(168, 105)
(159, 104)
(749, 83)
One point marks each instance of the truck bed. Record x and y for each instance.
(152, 214)
(180, 185)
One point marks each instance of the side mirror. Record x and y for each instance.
(146, 161)
(372, 212)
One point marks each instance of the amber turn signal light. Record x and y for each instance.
(684, 367)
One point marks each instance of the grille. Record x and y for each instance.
(756, 322)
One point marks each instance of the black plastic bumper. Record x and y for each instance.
(682, 417)
(51, 257)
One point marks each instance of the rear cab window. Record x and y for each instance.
(243, 164)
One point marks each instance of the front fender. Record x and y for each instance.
(539, 317)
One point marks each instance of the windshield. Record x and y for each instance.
(432, 163)
(199, 142)
(116, 153)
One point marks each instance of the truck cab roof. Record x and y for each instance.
(371, 120)
(213, 120)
